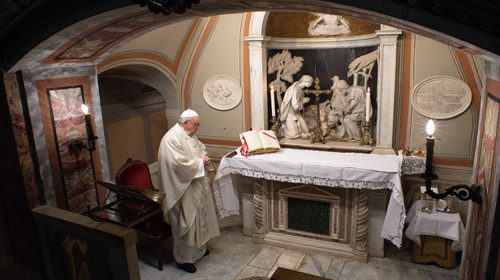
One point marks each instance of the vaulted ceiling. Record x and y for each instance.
(471, 25)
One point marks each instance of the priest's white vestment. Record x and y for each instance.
(188, 205)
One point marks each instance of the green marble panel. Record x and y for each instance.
(308, 215)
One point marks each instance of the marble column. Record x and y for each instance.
(258, 81)
(386, 89)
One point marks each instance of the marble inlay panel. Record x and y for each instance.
(266, 257)
(251, 271)
(21, 136)
(290, 259)
(336, 267)
(76, 168)
(316, 264)
(242, 255)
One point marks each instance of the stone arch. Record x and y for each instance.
(138, 99)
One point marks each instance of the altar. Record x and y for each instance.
(314, 200)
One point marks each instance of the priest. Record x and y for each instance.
(188, 205)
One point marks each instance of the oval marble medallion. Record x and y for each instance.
(441, 97)
(222, 92)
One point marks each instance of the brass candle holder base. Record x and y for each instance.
(276, 124)
(367, 136)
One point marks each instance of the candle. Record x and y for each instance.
(429, 129)
(88, 125)
(273, 109)
(368, 107)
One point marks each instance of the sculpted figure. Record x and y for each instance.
(327, 24)
(354, 113)
(338, 102)
(292, 120)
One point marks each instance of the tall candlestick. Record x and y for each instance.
(368, 107)
(88, 127)
(429, 128)
(273, 109)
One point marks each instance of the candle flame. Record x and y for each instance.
(368, 89)
(430, 127)
(272, 87)
(85, 109)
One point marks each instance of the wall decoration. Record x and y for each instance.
(222, 93)
(441, 97)
(311, 25)
(76, 168)
(329, 25)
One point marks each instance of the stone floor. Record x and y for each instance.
(234, 256)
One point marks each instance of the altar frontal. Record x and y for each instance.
(350, 171)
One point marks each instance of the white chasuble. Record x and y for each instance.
(188, 204)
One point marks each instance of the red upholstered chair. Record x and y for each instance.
(136, 174)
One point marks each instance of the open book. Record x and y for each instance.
(259, 142)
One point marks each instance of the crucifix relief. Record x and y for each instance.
(317, 133)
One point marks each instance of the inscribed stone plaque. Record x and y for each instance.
(441, 97)
(222, 92)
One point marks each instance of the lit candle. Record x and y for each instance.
(368, 107)
(273, 109)
(88, 125)
(429, 129)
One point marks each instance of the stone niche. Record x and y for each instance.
(312, 218)
(310, 211)
(325, 58)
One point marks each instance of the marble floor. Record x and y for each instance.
(234, 256)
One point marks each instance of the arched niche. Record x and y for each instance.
(385, 39)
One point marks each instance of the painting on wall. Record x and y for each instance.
(346, 78)
(76, 168)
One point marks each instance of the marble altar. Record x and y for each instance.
(351, 174)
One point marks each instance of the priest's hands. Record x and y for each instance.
(206, 160)
(208, 163)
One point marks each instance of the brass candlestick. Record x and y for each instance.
(367, 135)
(275, 124)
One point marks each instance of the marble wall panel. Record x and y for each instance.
(76, 167)
(22, 143)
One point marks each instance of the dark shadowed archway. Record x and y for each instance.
(472, 26)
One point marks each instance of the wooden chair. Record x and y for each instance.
(135, 173)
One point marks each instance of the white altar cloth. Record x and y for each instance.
(446, 225)
(323, 168)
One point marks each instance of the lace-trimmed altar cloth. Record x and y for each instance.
(321, 168)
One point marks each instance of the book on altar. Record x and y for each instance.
(259, 142)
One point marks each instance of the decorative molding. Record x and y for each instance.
(222, 93)
(315, 43)
(441, 97)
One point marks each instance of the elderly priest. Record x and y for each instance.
(188, 205)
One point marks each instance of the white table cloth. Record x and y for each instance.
(323, 168)
(446, 225)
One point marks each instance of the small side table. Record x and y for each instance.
(437, 236)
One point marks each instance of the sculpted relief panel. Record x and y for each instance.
(441, 97)
(222, 93)
(323, 94)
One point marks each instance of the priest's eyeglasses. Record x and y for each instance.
(195, 124)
